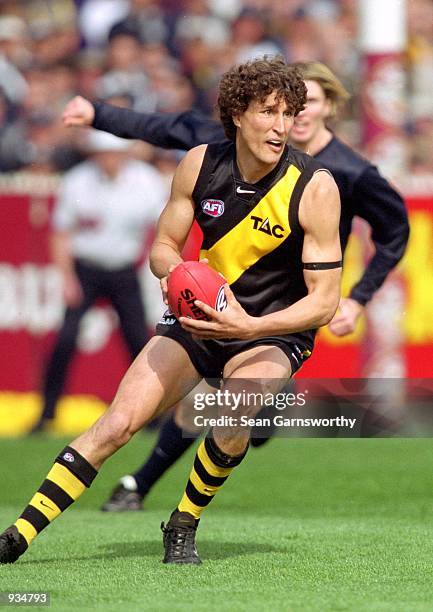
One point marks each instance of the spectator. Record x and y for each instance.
(54, 43)
(125, 73)
(197, 22)
(13, 148)
(97, 17)
(105, 207)
(12, 52)
(146, 19)
(251, 36)
(168, 55)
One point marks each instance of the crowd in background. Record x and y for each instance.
(168, 55)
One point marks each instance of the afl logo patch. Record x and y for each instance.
(213, 208)
(69, 457)
(221, 300)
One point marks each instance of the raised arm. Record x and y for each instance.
(167, 130)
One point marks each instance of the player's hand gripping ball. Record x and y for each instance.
(190, 281)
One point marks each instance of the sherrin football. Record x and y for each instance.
(190, 281)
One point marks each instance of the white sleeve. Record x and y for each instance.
(64, 212)
(156, 197)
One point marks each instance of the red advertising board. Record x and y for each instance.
(31, 307)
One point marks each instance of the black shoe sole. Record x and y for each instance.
(12, 545)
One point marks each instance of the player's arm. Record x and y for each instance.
(63, 224)
(177, 217)
(384, 209)
(167, 130)
(376, 201)
(61, 255)
(319, 216)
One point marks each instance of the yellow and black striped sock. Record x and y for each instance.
(70, 475)
(211, 469)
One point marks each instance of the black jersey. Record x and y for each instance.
(365, 193)
(251, 232)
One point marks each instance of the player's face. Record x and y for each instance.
(263, 130)
(311, 121)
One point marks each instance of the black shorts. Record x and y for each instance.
(210, 356)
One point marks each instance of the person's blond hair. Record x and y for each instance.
(331, 85)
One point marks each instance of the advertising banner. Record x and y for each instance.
(31, 309)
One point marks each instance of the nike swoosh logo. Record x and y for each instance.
(240, 190)
(46, 505)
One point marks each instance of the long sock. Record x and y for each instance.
(211, 469)
(70, 475)
(170, 446)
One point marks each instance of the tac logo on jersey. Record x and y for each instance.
(213, 208)
(264, 225)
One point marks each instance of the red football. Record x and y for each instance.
(192, 281)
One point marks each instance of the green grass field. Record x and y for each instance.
(304, 524)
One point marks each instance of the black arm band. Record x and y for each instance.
(323, 265)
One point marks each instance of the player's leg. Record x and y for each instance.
(171, 444)
(262, 434)
(176, 435)
(298, 353)
(160, 376)
(262, 369)
(124, 292)
(57, 366)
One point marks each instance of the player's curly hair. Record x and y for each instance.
(255, 80)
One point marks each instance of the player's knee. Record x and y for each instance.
(245, 398)
(118, 428)
(232, 443)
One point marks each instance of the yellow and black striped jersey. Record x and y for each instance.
(251, 232)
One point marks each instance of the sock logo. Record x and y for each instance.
(69, 457)
(45, 505)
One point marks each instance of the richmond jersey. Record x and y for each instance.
(251, 232)
(364, 192)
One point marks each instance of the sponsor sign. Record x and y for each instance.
(31, 308)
